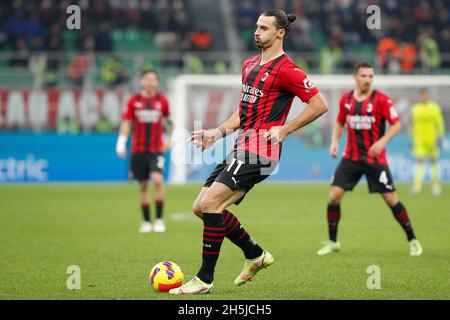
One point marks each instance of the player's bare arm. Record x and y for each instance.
(317, 106)
(336, 136)
(379, 145)
(124, 132)
(168, 128)
(205, 138)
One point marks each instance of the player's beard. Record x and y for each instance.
(365, 87)
(149, 92)
(259, 43)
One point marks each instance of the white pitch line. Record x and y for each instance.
(180, 216)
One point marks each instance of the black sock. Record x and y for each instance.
(213, 234)
(333, 217)
(237, 234)
(159, 209)
(146, 212)
(401, 215)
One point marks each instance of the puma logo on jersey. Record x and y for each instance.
(347, 106)
(138, 105)
(369, 108)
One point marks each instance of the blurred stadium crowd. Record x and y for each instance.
(119, 37)
(414, 33)
(36, 29)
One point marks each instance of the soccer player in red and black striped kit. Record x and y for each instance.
(149, 114)
(364, 111)
(270, 81)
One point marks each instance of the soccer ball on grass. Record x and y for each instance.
(166, 275)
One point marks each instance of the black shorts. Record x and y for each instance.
(142, 164)
(348, 173)
(241, 171)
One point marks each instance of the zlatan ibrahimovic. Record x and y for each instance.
(270, 81)
(364, 111)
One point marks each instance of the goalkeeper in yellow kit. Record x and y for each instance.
(427, 134)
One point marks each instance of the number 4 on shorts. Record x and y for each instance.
(383, 178)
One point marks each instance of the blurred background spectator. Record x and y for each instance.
(67, 126)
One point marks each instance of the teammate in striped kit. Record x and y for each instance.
(364, 112)
(270, 81)
(148, 112)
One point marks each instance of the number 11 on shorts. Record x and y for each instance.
(239, 164)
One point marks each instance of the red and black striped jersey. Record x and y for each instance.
(366, 123)
(267, 93)
(146, 114)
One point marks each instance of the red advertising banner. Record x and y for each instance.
(41, 109)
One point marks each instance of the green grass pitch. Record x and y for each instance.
(46, 228)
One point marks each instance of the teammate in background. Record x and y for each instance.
(365, 111)
(427, 133)
(149, 113)
(270, 81)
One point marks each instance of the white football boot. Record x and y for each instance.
(195, 286)
(252, 266)
(146, 227)
(329, 247)
(415, 249)
(436, 191)
(159, 226)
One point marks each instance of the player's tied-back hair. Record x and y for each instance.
(283, 20)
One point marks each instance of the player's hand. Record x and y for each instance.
(122, 154)
(376, 149)
(276, 135)
(204, 138)
(334, 149)
(121, 146)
